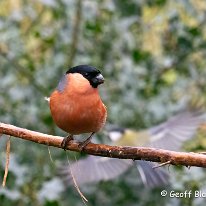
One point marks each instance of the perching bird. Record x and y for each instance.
(76, 106)
(168, 135)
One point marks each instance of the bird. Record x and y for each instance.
(169, 135)
(76, 106)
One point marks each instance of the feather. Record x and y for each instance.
(94, 169)
(177, 129)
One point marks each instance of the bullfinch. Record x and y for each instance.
(167, 135)
(76, 106)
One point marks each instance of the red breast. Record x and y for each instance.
(77, 107)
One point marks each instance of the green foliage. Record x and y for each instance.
(152, 54)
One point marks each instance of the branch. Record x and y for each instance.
(135, 153)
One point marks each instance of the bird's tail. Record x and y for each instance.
(47, 99)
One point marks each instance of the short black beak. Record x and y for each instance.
(99, 79)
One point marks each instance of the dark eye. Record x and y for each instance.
(86, 74)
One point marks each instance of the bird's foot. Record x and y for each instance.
(83, 144)
(66, 141)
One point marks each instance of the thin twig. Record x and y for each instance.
(75, 33)
(8, 145)
(162, 164)
(50, 155)
(84, 199)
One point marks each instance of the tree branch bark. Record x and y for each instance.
(135, 153)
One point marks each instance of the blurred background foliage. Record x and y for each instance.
(152, 54)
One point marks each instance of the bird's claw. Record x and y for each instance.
(83, 144)
(66, 141)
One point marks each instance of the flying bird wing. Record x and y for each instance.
(94, 169)
(168, 135)
(177, 129)
(152, 177)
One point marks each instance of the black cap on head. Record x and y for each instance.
(92, 74)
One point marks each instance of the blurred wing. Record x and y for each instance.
(152, 177)
(94, 169)
(172, 133)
